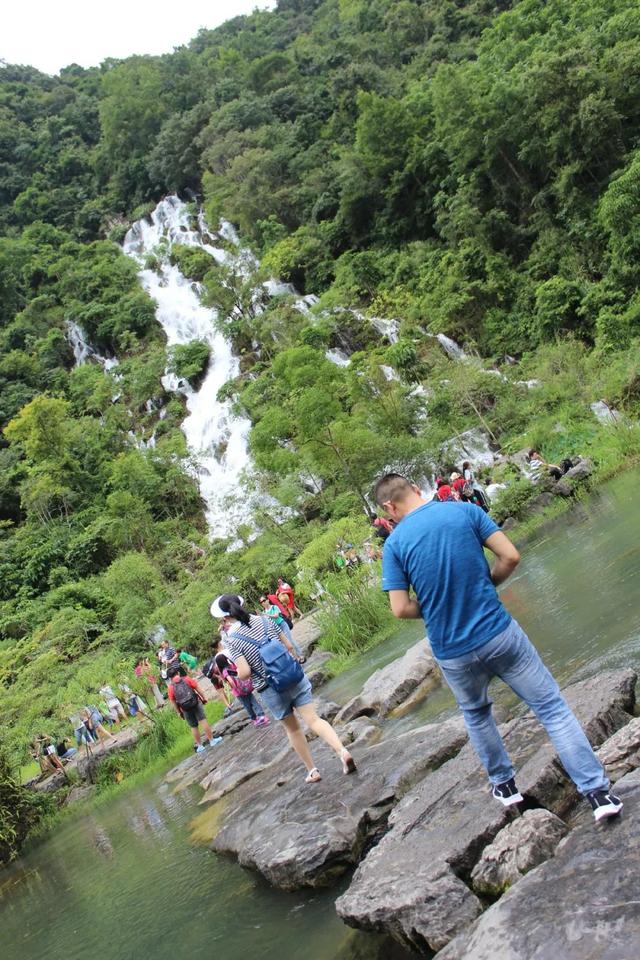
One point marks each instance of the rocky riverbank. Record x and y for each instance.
(438, 862)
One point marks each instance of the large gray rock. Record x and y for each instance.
(443, 824)
(410, 676)
(621, 752)
(245, 750)
(316, 667)
(580, 905)
(297, 834)
(581, 470)
(306, 633)
(518, 848)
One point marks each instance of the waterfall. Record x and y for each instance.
(216, 438)
(451, 347)
(83, 351)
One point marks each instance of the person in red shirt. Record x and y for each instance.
(187, 699)
(288, 599)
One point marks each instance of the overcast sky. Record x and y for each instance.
(50, 34)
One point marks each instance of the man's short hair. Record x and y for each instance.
(391, 487)
(173, 671)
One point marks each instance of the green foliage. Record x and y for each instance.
(354, 615)
(20, 812)
(513, 501)
(193, 262)
(467, 168)
(189, 361)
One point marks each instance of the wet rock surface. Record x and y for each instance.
(580, 905)
(439, 829)
(297, 834)
(519, 847)
(411, 676)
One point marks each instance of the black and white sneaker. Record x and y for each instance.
(507, 793)
(604, 804)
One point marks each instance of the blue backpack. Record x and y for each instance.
(281, 670)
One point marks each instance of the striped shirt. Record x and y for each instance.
(238, 647)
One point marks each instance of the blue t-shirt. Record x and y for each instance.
(437, 549)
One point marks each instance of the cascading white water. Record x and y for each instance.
(216, 438)
(83, 351)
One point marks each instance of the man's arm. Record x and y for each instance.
(284, 640)
(507, 556)
(197, 689)
(403, 606)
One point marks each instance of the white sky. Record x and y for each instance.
(51, 34)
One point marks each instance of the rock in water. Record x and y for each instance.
(298, 834)
(412, 675)
(410, 884)
(518, 848)
(581, 905)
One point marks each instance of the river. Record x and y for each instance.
(126, 880)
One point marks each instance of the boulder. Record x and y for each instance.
(582, 470)
(50, 783)
(86, 762)
(298, 834)
(621, 752)
(412, 675)
(360, 731)
(518, 848)
(306, 633)
(442, 825)
(580, 905)
(239, 761)
(562, 489)
(79, 793)
(316, 667)
(245, 751)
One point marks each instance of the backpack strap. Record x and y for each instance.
(247, 639)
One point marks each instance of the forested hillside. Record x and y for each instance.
(468, 168)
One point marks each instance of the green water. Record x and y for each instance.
(126, 881)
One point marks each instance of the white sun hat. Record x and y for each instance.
(216, 610)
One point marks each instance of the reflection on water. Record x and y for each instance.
(121, 880)
(118, 880)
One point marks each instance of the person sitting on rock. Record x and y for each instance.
(539, 468)
(44, 751)
(264, 655)
(438, 551)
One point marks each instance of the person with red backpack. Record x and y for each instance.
(187, 699)
(241, 689)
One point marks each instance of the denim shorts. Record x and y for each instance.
(195, 716)
(280, 704)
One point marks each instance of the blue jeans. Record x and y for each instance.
(251, 705)
(286, 629)
(512, 657)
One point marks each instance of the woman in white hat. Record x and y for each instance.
(245, 634)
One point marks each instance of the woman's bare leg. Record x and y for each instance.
(298, 741)
(321, 728)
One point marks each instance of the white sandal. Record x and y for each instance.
(313, 776)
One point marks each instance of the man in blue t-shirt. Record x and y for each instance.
(437, 549)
